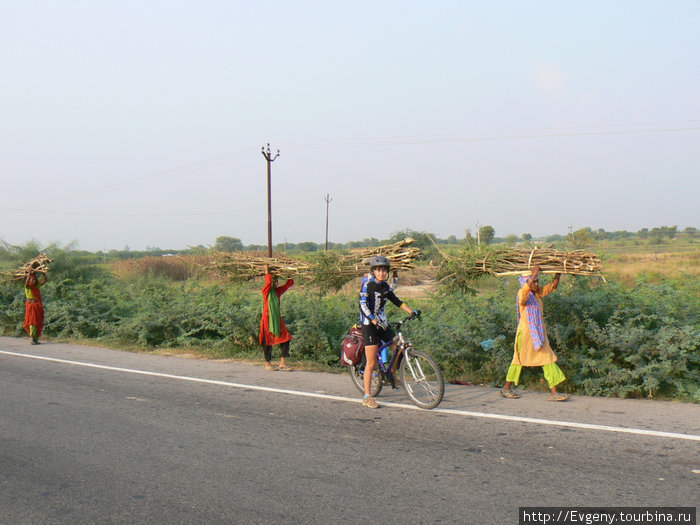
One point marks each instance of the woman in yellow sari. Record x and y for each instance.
(531, 342)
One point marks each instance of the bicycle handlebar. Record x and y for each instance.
(415, 315)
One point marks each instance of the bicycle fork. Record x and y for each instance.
(413, 365)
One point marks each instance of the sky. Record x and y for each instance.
(140, 124)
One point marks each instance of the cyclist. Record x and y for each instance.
(373, 296)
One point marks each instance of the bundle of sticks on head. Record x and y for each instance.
(242, 266)
(520, 261)
(332, 270)
(326, 269)
(39, 264)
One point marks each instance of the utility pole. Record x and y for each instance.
(270, 159)
(328, 201)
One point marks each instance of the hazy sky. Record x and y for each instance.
(140, 123)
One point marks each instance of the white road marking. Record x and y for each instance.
(449, 411)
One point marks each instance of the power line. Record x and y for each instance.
(436, 139)
(160, 175)
(242, 153)
(228, 211)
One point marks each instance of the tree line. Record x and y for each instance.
(484, 235)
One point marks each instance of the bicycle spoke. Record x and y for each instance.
(422, 378)
(357, 374)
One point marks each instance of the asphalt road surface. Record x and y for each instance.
(91, 435)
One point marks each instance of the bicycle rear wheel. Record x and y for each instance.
(422, 378)
(357, 372)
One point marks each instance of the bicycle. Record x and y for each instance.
(420, 374)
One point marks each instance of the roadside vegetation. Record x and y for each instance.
(638, 335)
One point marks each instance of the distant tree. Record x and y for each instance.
(468, 237)
(366, 242)
(581, 238)
(307, 246)
(511, 239)
(486, 234)
(527, 237)
(452, 239)
(643, 233)
(422, 240)
(691, 231)
(664, 231)
(228, 244)
(621, 234)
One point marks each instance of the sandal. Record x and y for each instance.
(509, 394)
(270, 368)
(558, 397)
(370, 403)
(285, 368)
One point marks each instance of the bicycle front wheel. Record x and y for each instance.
(357, 372)
(422, 378)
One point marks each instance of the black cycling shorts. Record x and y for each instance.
(375, 335)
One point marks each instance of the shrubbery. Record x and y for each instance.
(611, 340)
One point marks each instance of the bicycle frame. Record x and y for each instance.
(401, 344)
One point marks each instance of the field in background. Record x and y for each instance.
(628, 267)
(175, 267)
(624, 263)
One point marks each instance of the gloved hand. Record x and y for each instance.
(383, 325)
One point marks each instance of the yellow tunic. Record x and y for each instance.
(528, 356)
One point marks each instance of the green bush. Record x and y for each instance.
(611, 340)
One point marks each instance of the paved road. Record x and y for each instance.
(91, 435)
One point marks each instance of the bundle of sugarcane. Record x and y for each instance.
(333, 270)
(519, 261)
(324, 269)
(401, 254)
(242, 266)
(39, 264)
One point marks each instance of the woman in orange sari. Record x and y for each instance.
(272, 328)
(34, 309)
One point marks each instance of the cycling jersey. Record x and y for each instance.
(373, 297)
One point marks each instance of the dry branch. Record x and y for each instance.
(39, 264)
(518, 261)
(324, 269)
(242, 266)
